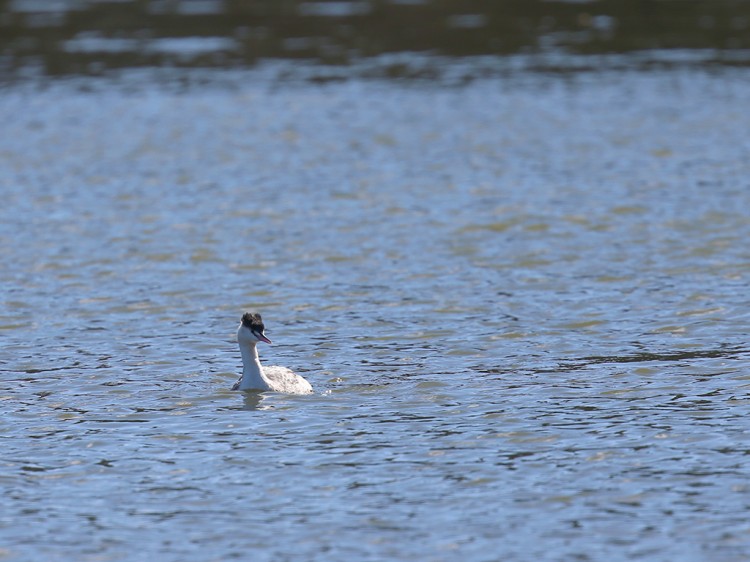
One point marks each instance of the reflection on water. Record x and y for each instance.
(60, 38)
(522, 304)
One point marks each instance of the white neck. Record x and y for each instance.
(252, 373)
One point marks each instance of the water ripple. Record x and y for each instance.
(521, 305)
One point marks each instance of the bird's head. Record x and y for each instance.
(251, 329)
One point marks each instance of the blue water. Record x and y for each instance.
(522, 304)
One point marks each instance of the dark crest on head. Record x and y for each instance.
(253, 321)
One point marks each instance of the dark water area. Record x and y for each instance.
(89, 37)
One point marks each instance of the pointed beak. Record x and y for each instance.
(261, 337)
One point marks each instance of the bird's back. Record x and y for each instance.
(281, 379)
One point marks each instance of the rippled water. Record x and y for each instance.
(523, 304)
(369, 37)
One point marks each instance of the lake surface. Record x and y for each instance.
(64, 38)
(523, 304)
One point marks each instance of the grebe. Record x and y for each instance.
(255, 377)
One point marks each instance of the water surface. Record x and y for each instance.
(370, 37)
(522, 303)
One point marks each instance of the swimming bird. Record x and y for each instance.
(256, 377)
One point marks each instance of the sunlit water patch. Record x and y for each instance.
(522, 303)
